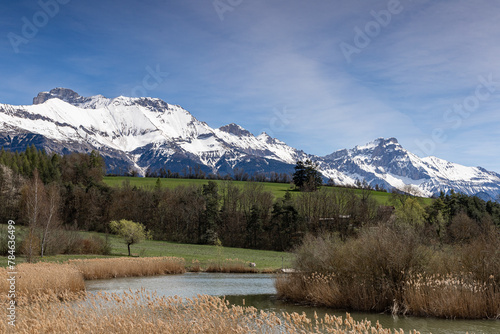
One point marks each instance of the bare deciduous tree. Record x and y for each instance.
(50, 214)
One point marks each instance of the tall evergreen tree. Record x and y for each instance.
(306, 176)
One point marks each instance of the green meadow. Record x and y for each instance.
(204, 254)
(277, 189)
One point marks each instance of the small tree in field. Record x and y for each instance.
(131, 232)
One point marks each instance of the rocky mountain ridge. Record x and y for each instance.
(150, 133)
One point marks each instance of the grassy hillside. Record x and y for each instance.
(205, 254)
(278, 189)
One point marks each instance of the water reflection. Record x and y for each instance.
(191, 284)
(424, 325)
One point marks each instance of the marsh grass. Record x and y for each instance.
(51, 299)
(43, 280)
(389, 269)
(452, 296)
(144, 312)
(128, 267)
(231, 266)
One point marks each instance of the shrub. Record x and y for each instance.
(369, 270)
(389, 268)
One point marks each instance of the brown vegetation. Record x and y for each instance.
(127, 267)
(389, 268)
(51, 280)
(144, 312)
(231, 266)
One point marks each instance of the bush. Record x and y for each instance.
(390, 268)
(366, 273)
(72, 242)
(481, 257)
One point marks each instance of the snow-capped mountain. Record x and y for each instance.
(139, 133)
(150, 133)
(386, 163)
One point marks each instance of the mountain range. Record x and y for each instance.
(143, 133)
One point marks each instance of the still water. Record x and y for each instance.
(258, 290)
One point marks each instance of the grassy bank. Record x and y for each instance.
(42, 281)
(203, 255)
(200, 255)
(33, 280)
(128, 267)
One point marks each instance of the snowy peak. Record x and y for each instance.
(376, 149)
(265, 138)
(379, 143)
(71, 97)
(236, 130)
(150, 133)
(386, 163)
(137, 132)
(63, 94)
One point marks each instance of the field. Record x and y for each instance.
(204, 254)
(277, 189)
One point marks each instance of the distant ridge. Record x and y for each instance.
(146, 133)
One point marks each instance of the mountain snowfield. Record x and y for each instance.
(148, 132)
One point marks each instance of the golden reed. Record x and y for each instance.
(144, 312)
(445, 296)
(66, 280)
(128, 267)
(43, 280)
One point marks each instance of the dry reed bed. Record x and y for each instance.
(231, 266)
(451, 296)
(52, 281)
(128, 267)
(144, 312)
(444, 296)
(35, 280)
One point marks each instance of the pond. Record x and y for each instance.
(258, 290)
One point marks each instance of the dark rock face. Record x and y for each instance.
(235, 130)
(63, 94)
(41, 97)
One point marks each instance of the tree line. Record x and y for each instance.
(50, 193)
(197, 172)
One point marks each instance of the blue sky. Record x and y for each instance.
(319, 75)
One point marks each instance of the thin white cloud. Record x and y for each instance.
(286, 53)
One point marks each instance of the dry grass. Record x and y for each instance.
(231, 266)
(43, 279)
(446, 296)
(144, 312)
(128, 267)
(379, 271)
(452, 296)
(195, 266)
